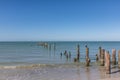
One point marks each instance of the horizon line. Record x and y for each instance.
(61, 41)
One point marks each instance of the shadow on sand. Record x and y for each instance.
(115, 72)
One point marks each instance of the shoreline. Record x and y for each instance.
(58, 72)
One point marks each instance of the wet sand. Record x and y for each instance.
(118, 78)
(58, 72)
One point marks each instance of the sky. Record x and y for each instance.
(59, 20)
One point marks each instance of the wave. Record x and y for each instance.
(23, 66)
(29, 66)
(32, 66)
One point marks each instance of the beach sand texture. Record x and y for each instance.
(58, 72)
(118, 78)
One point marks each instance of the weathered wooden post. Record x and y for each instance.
(107, 62)
(65, 53)
(119, 58)
(78, 52)
(97, 57)
(75, 59)
(102, 57)
(113, 57)
(87, 57)
(87, 52)
(61, 54)
(100, 53)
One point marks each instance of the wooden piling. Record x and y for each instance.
(107, 62)
(87, 57)
(75, 60)
(65, 53)
(100, 52)
(119, 58)
(113, 57)
(102, 57)
(87, 52)
(87, 61)
(78, 52)
(61, 54)
(97, 57)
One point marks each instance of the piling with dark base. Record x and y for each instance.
(113, 57)
(100, 53)
(65, 53)
(97, 57)
(119, 58)
(61, 54)
(87, 52)
(87, 61)
(87, 57)
(75, 60)
(107, 63)
(102, 57)
(78, 52)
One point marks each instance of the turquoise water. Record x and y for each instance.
(25, 53)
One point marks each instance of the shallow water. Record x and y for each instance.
(22, 53)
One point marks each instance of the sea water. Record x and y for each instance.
(21, 53)
(31, 61)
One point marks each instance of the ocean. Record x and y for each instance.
(33, 61)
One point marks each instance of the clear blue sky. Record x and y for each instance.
(36, 20)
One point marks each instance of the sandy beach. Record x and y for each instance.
(118, 78)
(58, 72)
